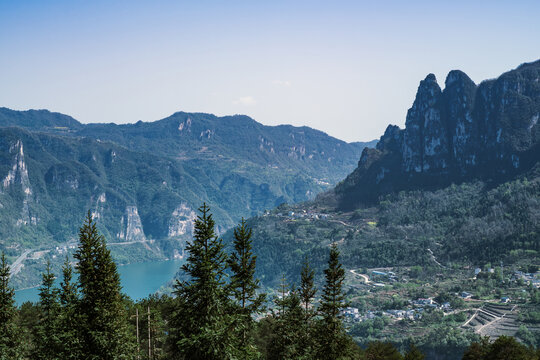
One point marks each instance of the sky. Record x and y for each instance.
(348, 68)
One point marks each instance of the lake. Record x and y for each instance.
(138, 280)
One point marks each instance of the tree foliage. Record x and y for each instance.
(100, 309)
(202, 324)
(9, 340)
(333, 342)
(244, 286)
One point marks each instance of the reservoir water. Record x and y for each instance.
(138, 280)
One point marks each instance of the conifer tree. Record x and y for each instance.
(202, 325)
(306, 293)
(9, 341)
(47, 339)
(333, 342)
(70, 344)
(68, 289)
(243, 287)
(307, 289)
(103, 322)
(288, 328)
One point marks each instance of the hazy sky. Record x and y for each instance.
(348, 68)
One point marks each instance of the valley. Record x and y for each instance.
(269, 180)
(439, 243)
(143, 195)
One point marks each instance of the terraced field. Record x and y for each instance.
(495, 320)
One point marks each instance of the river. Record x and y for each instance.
(138, 280)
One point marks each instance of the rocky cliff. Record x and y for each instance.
(144, 182)
(466, 131)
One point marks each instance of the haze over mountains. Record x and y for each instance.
(144, 181)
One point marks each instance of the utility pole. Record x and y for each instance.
(138, 342)
(149, 339)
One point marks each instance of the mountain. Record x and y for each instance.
(143, 182)
(198, 136)
(464, 132)
(459, 185)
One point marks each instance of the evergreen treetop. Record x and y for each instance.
(202, 324)
(102, 314)
(48, 342)
(9, 340)
(333, 342)
(243, 286)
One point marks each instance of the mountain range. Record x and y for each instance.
(144, 181)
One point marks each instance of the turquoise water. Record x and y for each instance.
(138, 280)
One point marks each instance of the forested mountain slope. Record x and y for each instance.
(144, 181)
(459, 185)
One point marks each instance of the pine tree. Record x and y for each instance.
(47, 339)
(288, 328)
(70, 347)
(202, 326)
(103, 322)
(243, 287)
(333, 342)
(307, 292)
(307, 289)
(9, 341)
(68, 289)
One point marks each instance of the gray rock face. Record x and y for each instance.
(459, 96)
(424, 137)
(465, 131)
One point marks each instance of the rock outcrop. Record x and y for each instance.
(181, 221)
(131, 226)
(18, 175)
(465, 131)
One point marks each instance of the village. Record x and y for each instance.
(416, 308)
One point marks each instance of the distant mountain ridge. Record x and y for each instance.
(143, 182)
(466, 131)
(187, 136)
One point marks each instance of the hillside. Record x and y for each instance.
(460, 184)
(144, 181)
(189, 137)
(439, 225)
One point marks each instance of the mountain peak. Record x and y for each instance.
(488, 132)
(431, 78)
(457, 76)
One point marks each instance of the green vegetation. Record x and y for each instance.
(332, 339)
(202, 325)
(217, 313)
(150, 175)
(100, 311)
(10, 347)
(501, 349)
(465, 224)
(244, 286)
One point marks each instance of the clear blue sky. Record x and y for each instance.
(348, 68)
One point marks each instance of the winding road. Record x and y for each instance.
(365, 277)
